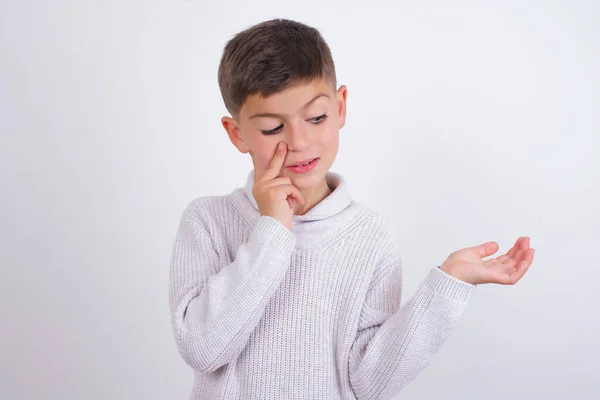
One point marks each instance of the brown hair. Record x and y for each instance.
(270, 57)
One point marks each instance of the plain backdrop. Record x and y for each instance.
(468, 121)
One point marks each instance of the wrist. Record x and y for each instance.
(453, 272)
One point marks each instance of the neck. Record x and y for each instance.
(312, 196)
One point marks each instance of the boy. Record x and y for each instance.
(287, 288)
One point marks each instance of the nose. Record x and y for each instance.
(298, 138)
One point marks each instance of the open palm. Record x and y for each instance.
(469, 265)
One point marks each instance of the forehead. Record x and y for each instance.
(289, 101)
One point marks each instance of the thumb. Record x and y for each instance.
(486, 249)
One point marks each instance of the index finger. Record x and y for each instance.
(274, 166)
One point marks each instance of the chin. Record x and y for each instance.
(306, 181)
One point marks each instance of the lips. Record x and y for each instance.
(302, 162)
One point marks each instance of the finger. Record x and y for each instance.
(280, 180)
(525, 243)
(501, 259)
(515, 247)
(282, 192)
(293, 192)
(522, 267)
(274, 167)
(492, 261)
(527, 258)
(518, 241)
(511, 253)
(486, 249)
(512, 262)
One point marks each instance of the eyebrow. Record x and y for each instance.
(280, 115)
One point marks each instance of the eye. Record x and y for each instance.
(319, 119)
(273, 131)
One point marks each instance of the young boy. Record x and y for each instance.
(287, 288)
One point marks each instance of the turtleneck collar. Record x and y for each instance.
(331, 217)
(331, 205)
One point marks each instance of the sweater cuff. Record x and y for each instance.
(448, 286)
(272, 231)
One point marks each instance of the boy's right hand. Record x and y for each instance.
(274, 193)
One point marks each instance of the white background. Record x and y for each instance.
(468, 121)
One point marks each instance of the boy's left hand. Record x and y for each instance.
(468, 264)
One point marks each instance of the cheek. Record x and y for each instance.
(264, 159)
(262, 154)
(256, 146)
(330, 134)
(333, 144)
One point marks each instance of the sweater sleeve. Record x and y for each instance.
(215, 308)
(393, 344)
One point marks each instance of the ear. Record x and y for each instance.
(341, 95)
(234, 133)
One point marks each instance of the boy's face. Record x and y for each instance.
(306, 117)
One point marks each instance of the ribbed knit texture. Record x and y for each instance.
(262, 312)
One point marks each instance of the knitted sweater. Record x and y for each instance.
(262, 312)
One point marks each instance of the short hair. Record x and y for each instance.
(270, 57)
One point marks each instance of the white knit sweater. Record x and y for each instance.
(262, 312)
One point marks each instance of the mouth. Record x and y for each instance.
(303, 167)
(303, 162)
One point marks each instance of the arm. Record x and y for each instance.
(393, 343)
(214, 310)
